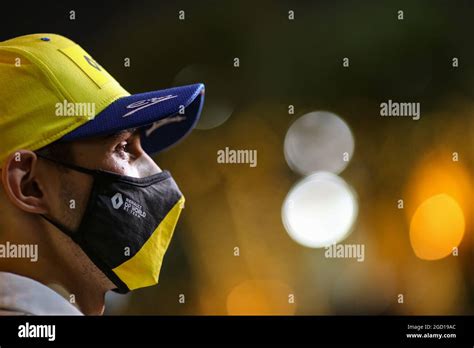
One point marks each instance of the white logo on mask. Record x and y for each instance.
(129, 205)
(117, 200)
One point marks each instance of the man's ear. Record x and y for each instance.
(20, 181)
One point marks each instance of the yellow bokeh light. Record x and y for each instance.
(437, 227)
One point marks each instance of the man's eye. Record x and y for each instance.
(122, 147)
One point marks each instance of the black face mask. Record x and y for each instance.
(127, 225)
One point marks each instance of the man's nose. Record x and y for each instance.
(145, 166)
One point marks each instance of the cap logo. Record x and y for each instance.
(92, 62)
(145, 103)
(88, 65)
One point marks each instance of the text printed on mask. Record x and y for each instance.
(129, 205)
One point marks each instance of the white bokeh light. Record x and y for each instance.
(217, 111)
(319, 210)
(217, 107)
(318, 141)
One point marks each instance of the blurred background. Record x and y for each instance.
(330, 169)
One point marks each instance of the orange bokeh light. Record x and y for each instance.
(437, 227)
(437, 173)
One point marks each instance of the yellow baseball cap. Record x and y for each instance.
(52, 90)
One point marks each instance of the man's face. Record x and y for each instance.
(120, 153)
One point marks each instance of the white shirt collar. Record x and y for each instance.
(25, 295)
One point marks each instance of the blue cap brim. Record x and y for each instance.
(164, 117)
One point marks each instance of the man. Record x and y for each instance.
(84, 209)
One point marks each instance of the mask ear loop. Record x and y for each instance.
(68, 165)
(60, 226)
